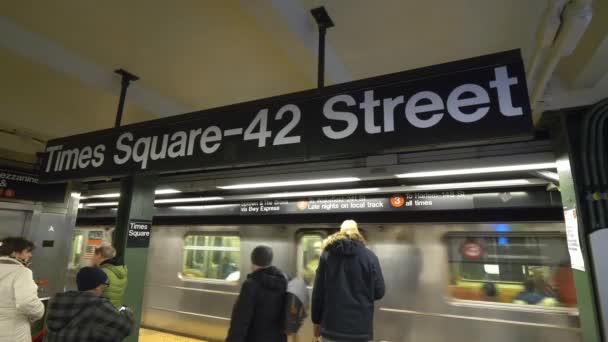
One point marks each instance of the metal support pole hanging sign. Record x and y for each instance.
(126, 79)
(323, 22)
(466, 102)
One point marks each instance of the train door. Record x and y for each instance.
(309, 247)
(84, 242)
(12, 222)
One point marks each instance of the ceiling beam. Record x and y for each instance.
(23, 132)
(559, 96)
(17, 159)
(587, 65)
(43, 51)
(293, 27)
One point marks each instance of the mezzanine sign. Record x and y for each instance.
(470, 101)
(25, 185)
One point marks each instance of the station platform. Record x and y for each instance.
(149, 335)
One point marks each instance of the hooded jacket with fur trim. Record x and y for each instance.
(348, 281)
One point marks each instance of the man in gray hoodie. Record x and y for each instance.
(85, 315)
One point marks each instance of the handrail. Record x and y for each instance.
(190, 313)
(195, 289)
(481, 319)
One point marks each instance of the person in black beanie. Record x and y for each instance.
(259, 311)
(85, 315)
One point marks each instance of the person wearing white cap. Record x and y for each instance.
(348, 281)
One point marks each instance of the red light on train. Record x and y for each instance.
(472, 250)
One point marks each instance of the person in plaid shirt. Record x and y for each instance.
(85, 315)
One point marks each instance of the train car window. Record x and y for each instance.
(309, 251)
(77, 249)
(510, 268)
(212, 256)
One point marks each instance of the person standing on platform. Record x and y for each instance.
(259, 312)
(347, 283)
(114, 267)
(85, 315)
(19, 302)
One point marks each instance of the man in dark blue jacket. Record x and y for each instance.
(259, 312)
(348, 281)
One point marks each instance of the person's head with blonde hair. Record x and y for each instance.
(349, 226)
(348, 230)
(103, 253)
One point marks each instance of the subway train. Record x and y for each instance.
(445, 281)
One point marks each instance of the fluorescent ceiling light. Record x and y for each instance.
(117, 194)
(290, 183)
(160, 201)
(478, 170)
(166, 191)
(187, 200)
(470, 185)
(110, 195)
(102, 204)
(323, 193)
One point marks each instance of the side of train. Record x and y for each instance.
(445, 281)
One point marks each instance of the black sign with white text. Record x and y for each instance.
(422, 201)
(456, 200)
(470, 101)
(138, 234)
(23, 185)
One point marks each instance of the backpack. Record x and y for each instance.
(296, 302)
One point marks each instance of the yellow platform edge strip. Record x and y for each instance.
(149, 335)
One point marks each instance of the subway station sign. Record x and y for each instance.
(455, 200)
(471, 101)
(432, 201)
(25, 185)
(138, 233)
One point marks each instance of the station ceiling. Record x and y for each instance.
(57, 57)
